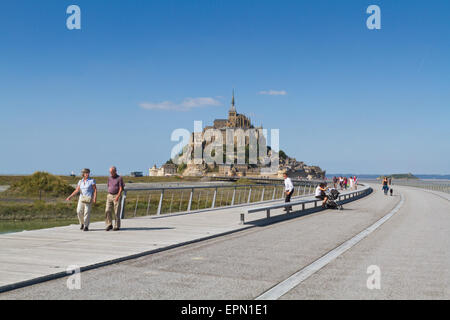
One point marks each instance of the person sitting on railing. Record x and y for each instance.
(320, 193)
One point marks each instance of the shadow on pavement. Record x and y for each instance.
(131, 229)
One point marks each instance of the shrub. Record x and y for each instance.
(41, 182)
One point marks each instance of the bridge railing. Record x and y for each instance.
(342, 198)
(435, 185)
(164, 200)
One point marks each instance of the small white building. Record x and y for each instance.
(167, 169)
(153, 172)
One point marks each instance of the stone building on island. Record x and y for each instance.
(240, 121)
(167, 169)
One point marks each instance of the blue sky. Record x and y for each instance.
(355, 100)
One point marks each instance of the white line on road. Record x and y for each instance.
(287, 285)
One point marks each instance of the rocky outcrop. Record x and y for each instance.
(195, 170)
(299, 170)
(294, 168)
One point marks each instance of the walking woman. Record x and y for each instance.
(385, 185)
(88, 195)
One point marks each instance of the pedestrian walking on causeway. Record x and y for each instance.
(115, 188)
(385, 186)
(88, 195)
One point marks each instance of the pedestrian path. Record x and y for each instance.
(31, 257)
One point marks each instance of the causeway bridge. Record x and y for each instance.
(378, 247)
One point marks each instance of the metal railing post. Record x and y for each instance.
(233, 197)
(122, 206)
(160, 202)
(190, 200)
(262, 194)
(214, 199)
(274, 190)
(249, 195)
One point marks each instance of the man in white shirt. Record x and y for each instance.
(288, 189)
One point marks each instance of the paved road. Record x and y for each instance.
(411, 250)
(29, 255)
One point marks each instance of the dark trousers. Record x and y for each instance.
(288, 199)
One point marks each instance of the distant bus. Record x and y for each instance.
(137, 174)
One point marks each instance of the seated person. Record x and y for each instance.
(320, 193)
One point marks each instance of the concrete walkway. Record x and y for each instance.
(31, 257)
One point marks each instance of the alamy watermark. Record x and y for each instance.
(374, 21)
(374, 280)
(73, 22)
(74, 280)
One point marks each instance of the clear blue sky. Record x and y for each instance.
(356, 100)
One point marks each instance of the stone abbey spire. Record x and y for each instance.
(235, 120)
(233, 107)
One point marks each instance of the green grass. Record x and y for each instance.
(28, 213)
(41, 210)
(40, 183)
(139, 203)
(147, 202)
(17, 226)
(7, 180)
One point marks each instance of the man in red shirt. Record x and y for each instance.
(115, 188)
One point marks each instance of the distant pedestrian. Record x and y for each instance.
(288, 189)
(335, 180)
(115, 188)
(385, 185)
(88, 195)
(345, 183)
(352, 183)
(355, 182)
(341, 183)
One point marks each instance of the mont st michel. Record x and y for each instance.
(235, 147)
